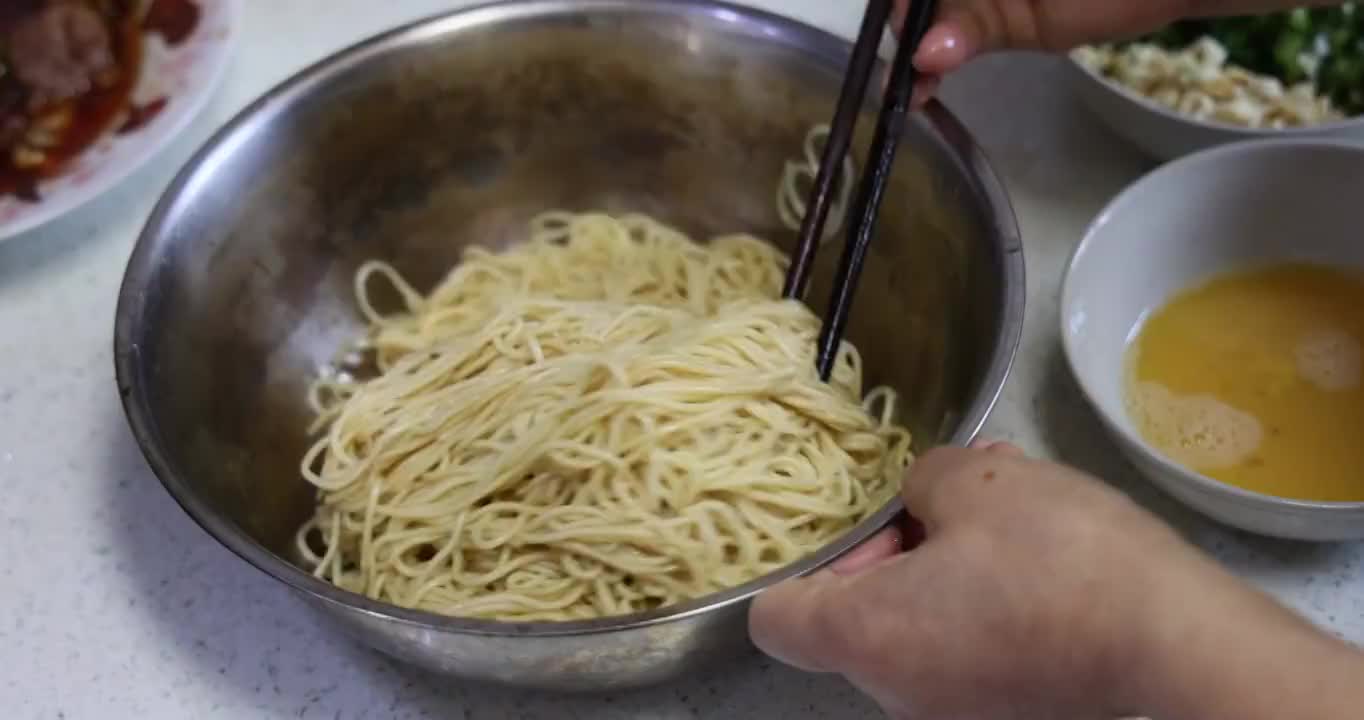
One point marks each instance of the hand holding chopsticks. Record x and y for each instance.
(871, 189)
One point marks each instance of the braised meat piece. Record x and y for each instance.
(67, 70)
(12, 11)
(58, 50)
(13, 115)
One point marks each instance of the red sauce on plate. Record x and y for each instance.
(108, 107)
(140, 115)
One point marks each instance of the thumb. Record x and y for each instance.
(778, 616)
(799, 622)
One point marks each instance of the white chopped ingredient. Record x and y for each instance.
(1197, 81)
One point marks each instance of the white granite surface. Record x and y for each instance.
(114, 605)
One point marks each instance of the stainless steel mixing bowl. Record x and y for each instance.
(454, 131)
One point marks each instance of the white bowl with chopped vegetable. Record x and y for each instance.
(1201, 83)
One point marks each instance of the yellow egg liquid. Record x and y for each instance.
(1255, 379)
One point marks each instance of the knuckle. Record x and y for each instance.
(952, 475)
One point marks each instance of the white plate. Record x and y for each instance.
(186, 75)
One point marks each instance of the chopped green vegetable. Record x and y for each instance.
(1321, 45)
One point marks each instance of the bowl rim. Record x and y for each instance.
(1349, 124)
(153, 242)
(1124, 202)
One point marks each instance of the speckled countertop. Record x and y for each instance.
(114, 605)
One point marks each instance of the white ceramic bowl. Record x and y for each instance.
(1231, 207)
(1166, 134)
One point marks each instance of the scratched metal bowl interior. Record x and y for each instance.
(456, 130)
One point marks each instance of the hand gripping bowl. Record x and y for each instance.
(456, 130)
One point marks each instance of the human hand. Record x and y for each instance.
(1038, 593)
(965, 29)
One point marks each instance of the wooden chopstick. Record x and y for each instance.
(890, 126)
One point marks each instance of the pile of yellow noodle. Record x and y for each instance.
(606, 419)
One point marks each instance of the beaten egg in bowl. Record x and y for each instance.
(1254, 379)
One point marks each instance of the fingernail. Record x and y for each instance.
(942, 49)
(1005, 448)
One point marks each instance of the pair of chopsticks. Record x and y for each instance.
(890, 125)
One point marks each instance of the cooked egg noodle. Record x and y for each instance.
(607, 419)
